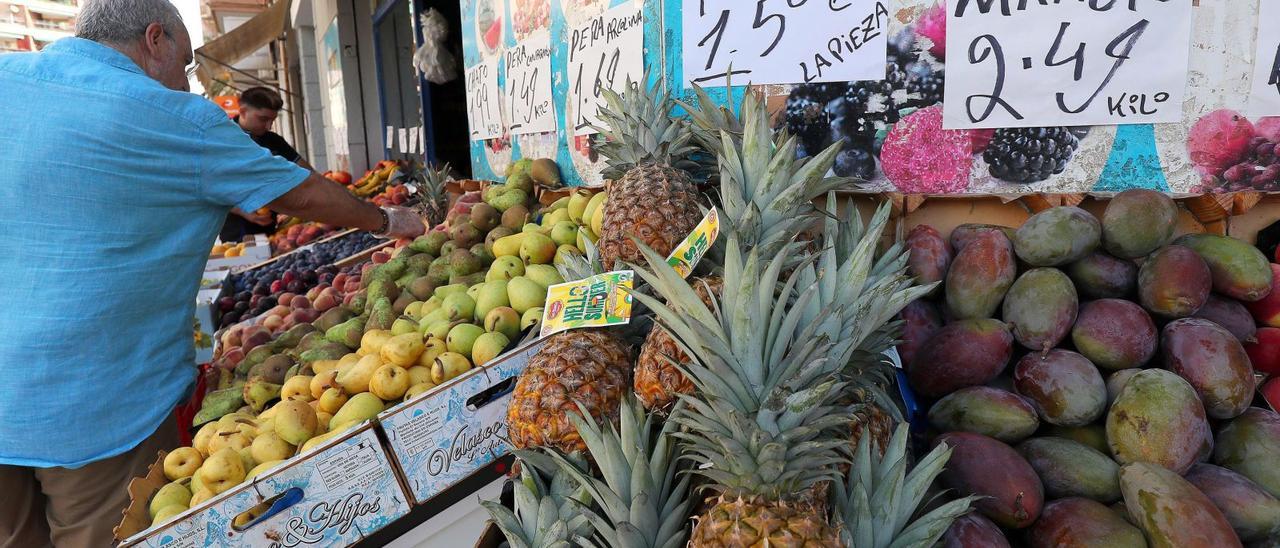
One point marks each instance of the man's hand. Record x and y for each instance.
(254, 217)
(322, 200)
(403, 222)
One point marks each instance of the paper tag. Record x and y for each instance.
(391, 137)
(604, 53)
(483, 101)
(598, 301)
(530, 105)
(404, 139)
(686, 255)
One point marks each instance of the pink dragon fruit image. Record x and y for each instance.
(1219, 140)
(933, 25)
(920, 157)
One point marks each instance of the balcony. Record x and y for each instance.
(12, 26)
(65, 8)
(65, 26)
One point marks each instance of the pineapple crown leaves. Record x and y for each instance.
(577, 267)
(710, 118)
(877, 502)
(643, 497)
(547, 513)
(639, 128)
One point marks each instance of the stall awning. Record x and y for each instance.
(217, 55)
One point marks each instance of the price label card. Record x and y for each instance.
(1025, 64)
(404, 140)
(528, 91)
(784, 41)
(483, 98)
(604, 53)
(599, 301)
(686, 255)
(1264, 98)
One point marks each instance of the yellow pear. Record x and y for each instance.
(390, 381)
(298, 387)
(347, 360)
(331, 400)
(168, 495)
(229, 440)
(296, 422)
(238, 422)
(419, 388)
(182, 463)
(360, 407)
(323, 381)
(313, 442)
(373, 339)
(201, 439)
(419, 374)
(222, 470)
(432, 349)
(167, 513)
(402, 350)
(246, 458)
(195, 484)
(355, 379)
(270, 446)
(320, 367)
(200, 496)
(448, 366)
(322, 422)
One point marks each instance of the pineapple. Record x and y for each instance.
(657, 380)
(548, 511)
(876, 504)
(643, 496)
(652, 197)
(587, 367)
(433, 202)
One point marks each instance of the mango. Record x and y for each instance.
(1093, 436)
(1239, 270)
(973, 530)
(992, 412)
(1041, 308)
(920, 319)
(1057, 236)
(979, 277)
(964, 353)
(1253, 513)
(1065, 388)
(1101, 276)
(1174, 282)
(1138, 222)
(1071, 469)
(1116, 382)
(1114, 334)
(1082, 523)
(1231, 315)
(986, 467)
(1171, 511)
(1250, 446)
(929, 256)
(1213, 361)
(965, 233)
(1157, 418)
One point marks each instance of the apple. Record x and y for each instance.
(223, 470)
(182, 463)
(274, 323)
(389, 382)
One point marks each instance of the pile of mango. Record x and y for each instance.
(1094, 378)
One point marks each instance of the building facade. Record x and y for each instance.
(29, 25)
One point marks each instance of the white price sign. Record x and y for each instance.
(1264, 98)
(604, 53)
(483, 97)
(784, 41)
(529, 104)
(1026, 64)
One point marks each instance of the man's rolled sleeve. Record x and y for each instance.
(235, 171)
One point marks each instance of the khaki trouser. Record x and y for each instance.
(74, 508)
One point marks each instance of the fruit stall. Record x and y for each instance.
(822, 314)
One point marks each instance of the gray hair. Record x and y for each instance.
(122, 21)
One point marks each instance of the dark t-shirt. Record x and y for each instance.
(235, 228)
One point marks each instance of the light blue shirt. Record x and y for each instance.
(112, 190)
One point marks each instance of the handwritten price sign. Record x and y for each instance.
(528, 98)
(483, 98)
(784, 41)
(1264, 99)
(604, 53)
(1012, 63)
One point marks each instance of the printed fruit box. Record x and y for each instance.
(335, 495)
(445, 435)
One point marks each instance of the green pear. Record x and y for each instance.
(565, 233)
(531, 316)
(296, 422)
(441, 329)
(494, 235)
(505, 268)
(544, 275)
(524, 294)
(447, 249)
(585, 235)
(168, 495)
(360, 407)
(551, 219)
(167, 513)
(503, 319)
(262, 467)
(197, 484)
(462, 337)
(578, 204)
(474, 291)
(508, 245)
(421, 287)
(413, 311)
(592, 205)
(487, 347)
(531, 228)
(431, 318)
(563, 253)
(512, 197)
(257, 392)
(446, 290)
(432, 348)
(402, 325)
(430, 305)
(537, 248)
(459, 306)
(491, 295)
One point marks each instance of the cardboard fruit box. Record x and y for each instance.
(444, 435)
(334, 495)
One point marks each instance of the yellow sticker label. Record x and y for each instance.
(686, 255)
(599, 301)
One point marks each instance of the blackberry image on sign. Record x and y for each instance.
(1027, 155)
(806, 116)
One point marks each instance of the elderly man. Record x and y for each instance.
(114, 181)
